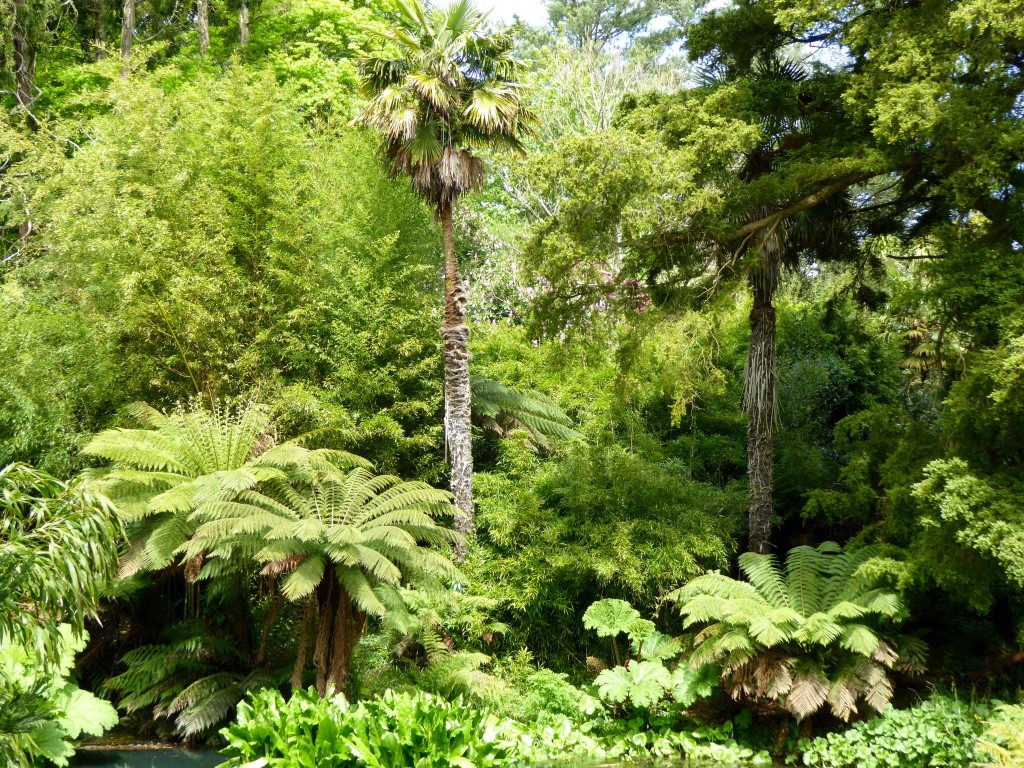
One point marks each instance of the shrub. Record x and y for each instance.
(41, 711)
(812, 634)
(393, 731)
(1003, 740)
(400, 730)
(938, 732)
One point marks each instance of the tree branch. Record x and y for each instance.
(808, 202)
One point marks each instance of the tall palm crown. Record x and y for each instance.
(450, 88)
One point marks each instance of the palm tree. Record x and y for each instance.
(336, 537)
(810, 636)
(451, 89)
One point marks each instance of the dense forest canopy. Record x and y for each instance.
(709, 315)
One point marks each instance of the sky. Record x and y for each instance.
(531, 11)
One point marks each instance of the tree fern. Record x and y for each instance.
(161, 474)
(336, 536)
(499, 409)
(804, 636)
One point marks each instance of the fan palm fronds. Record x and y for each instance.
(451, 88)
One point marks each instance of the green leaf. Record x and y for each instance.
(610, 617)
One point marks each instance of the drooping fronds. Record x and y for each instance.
(452, 88)
(192, 458)
(373, 530)
(499, 408)
(59, 546)
(804, 636)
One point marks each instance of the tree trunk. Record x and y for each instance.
(340, 625)
(99, 32)
(243, 23)
(760, 402)
(457, 428)
(24, 62)
(308, 614)
(203, 25)
(127, 34)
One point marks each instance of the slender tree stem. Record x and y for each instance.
(457, 425)
(203, 25)
(127, 34)
(243, 23)
(761, 409)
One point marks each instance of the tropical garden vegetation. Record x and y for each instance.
(384, 383)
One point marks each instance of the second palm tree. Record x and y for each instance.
(444, 89)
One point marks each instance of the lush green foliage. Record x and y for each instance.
(1003, 740)
(937, 732)
(43, 712)
(766, 247)
(811, 635)
(390, 732)
(59, 549)
(644, 680)
(401, 730)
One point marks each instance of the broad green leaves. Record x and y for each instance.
(610, 617)
(643, 683)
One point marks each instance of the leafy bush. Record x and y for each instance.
(399, 730)
(41, 711)
(1003, 740)
(59, 548)
(528, 693)
(804, 638)
(644, 680)
(396, 730)
(938, 732)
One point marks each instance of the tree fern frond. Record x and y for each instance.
(305, 578)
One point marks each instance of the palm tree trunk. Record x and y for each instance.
(457, 429)
(760, 402)
(203, 25)
(341, 625)
(24, 62)
(127, 34)
(243, 23)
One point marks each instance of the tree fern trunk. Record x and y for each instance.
(308, 615)
(760, 402)
(203, 25)
(455, 333)
(340, 626)
(127, 34)
(243, 23)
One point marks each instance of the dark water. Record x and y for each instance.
(146, 758)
